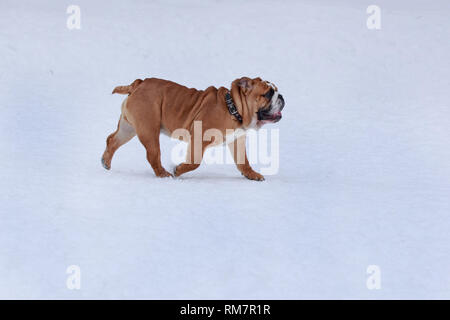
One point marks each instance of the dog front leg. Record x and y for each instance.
(237, 149)
(194, 157)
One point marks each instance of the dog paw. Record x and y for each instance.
(105, 165)
(164, 174)
(254, 176)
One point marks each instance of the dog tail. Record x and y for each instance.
(128, 89)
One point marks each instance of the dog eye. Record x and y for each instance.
(269, 94)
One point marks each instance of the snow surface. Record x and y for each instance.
(364, 173)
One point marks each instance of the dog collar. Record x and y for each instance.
(232, 107)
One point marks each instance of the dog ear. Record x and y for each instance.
(246, 85)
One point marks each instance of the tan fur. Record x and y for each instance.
(155, 104)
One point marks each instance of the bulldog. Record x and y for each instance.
(155, 106)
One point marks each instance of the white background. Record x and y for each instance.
(364, 152)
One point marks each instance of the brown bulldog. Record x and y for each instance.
(154, 106)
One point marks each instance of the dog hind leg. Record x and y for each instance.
(150, 140)
(124, 133)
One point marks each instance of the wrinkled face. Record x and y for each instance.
(264, 101)
(271, 110)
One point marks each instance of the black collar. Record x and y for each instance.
(232, 107)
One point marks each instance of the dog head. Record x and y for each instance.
(257, 101)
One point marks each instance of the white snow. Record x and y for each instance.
(364, 173)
